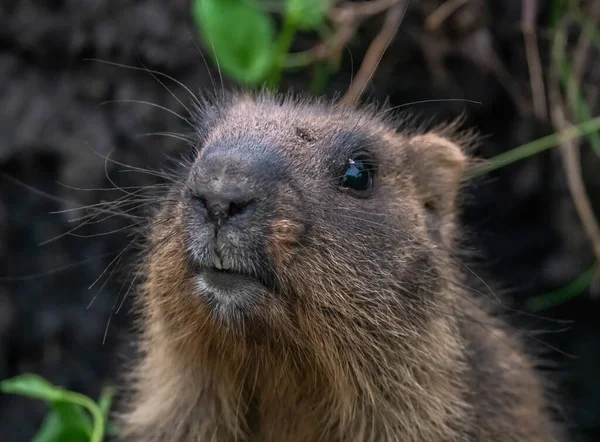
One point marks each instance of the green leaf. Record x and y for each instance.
(69, 419)
(52, 430)
(69, 424)
(74, 417)
(32, 386)
(307, 14)
(240, 36)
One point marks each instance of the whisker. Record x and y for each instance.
(71, 231)
(169, 90)
(141, 232)
(107, 189)
(166, 109)
(114, 263)
(110, 180)
(95, 235)
(36, 190)
(102, 203)
(137, 169)
(126, 214)
(150, 173)
(180, 137)
(212, 80)
(54, 270)
(434, 100)
(150, 71)
(139, 270)
(112, 205)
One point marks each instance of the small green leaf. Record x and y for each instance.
(69, 419)
(240, 36)
(59, 427)
(74, 417)
(32, 386)
(307, 14)
(52, 429)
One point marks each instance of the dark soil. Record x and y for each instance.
(54, 130)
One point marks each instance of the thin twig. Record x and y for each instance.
(569, 150)
(361, 10)
(582, 50)
(530, 10)
(348, 17)
(375, 52)
(441, 14)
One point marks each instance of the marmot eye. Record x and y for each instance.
(358, 175)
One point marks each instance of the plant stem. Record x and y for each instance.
(284, 42)
(571, 290)
(536, 146)
(92, 407)
(321, 72)
(299, 59)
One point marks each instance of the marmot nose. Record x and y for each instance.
(226, 204)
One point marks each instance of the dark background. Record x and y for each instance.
(54, 130)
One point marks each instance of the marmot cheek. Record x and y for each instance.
(284, 236)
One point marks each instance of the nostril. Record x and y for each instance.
(201, 200)
(239, 207)
(221, 207)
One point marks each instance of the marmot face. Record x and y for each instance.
(296, 215)
(299, 286)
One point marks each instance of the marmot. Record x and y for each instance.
(299, 285)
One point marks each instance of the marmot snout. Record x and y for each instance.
(299, 285)
(230, 213)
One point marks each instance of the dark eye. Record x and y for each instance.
(358, 175)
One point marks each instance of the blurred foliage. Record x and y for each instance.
(586, 125)
(242, 39)
(69, 418)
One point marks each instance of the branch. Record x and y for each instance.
(361, 10)
(529, 14)
(441, 14)
(570, 154)
(569, 150)
(375, 52)
(348, 17)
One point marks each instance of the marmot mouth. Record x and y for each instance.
(226, 277)
(232, 279)
(221, 265)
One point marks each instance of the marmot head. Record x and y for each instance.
(297, 220)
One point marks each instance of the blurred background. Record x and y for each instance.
(518, 70)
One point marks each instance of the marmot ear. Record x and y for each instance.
(441, 165)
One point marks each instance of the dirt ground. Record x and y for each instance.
(54, 133)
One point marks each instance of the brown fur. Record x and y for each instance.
(372, 336)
